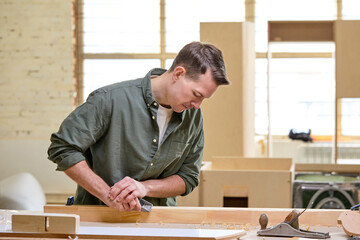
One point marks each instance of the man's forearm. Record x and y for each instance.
(167, 187)
(86, 178)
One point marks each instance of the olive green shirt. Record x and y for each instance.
(116, 131)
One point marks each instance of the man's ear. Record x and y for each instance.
(178, 73)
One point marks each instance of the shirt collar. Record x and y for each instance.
(146, 85)
(147, 91)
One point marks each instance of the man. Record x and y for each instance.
(141, 138)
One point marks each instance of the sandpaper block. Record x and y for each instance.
(46, 223)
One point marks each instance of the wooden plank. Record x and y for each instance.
(265, 188)
(300, 31)
(339, 168)
(196, 215)
(242, 163)
(161, 233)
(267, 181)
(235, 191)
(45, 223)
(236, 41)
(295, 55)
(100, 232)
(347, 35)
(28, 223)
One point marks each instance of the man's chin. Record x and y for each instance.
(178, 110)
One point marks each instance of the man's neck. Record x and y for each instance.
(159, 88)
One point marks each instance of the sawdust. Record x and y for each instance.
(138, 222)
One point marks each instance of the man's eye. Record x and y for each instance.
(196, 95)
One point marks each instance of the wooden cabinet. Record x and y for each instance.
(265, 182)
(229, 114)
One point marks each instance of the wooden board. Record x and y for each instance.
(250, 163)
(267, 182)
(196, 215)
(95, 232)
(300, 31)
(45, 223)
(347, 35)
(230, 130)
(338, 168)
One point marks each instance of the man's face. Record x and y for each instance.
(186, 93)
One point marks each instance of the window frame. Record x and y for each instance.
(163, 56)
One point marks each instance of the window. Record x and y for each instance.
(301, 91)
(123, 39)
(297, 96)
(113, 26)
(350, 9)
(183, 18)
(119, 40)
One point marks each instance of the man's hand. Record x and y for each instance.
(126, 192)
(123, 206)
(85, 177)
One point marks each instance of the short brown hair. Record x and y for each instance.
(197, 57)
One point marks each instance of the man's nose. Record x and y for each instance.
(196, 104)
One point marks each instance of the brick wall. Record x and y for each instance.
(36, 67)
(36, 86)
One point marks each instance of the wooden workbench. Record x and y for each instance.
(194, 218)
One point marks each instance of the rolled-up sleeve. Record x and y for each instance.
(79, 131)
(190, 170)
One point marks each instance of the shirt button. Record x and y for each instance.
(148, 105)
(151, 164)
(154, 140)
(155, 104)
(153, 117)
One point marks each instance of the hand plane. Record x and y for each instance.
(288, 228)
(145, 205)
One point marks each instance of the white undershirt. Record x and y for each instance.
(163, 119)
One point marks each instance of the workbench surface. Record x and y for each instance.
(336, 233)
(208, 218)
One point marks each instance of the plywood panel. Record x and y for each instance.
(300, 31)
(339, 168)
(101, 232)
(266, 181)
(265, 189)
(241, 163)
(229, 114)
(347, 39)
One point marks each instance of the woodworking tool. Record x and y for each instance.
(145, 205)
(288, 228)
(354, 238)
